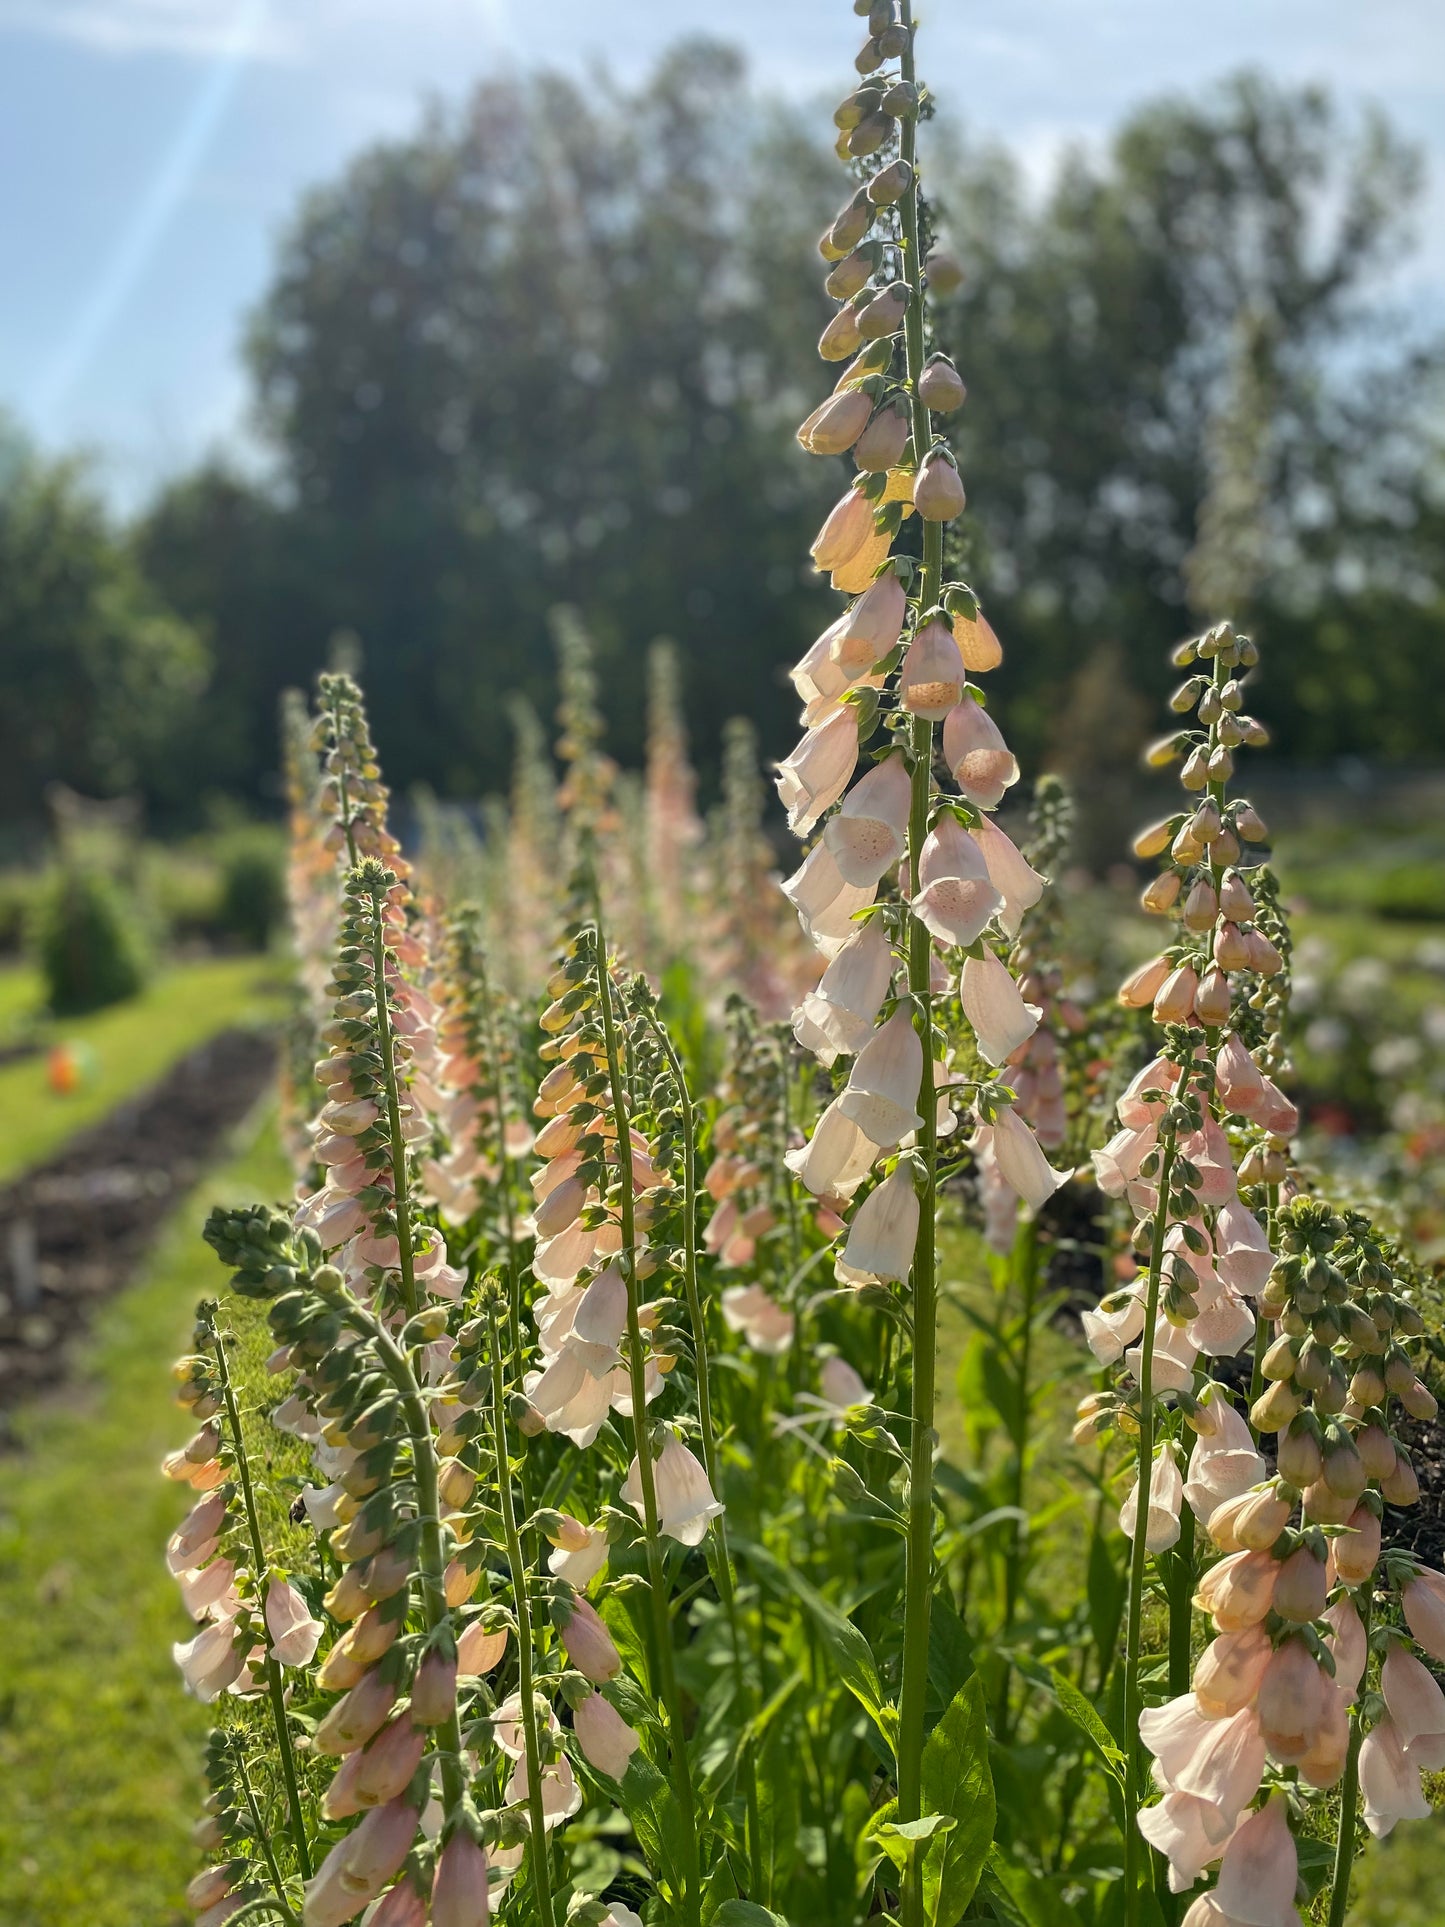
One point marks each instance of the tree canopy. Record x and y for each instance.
(550, 349)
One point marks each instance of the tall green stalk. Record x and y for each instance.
(637, 1375)
(1349, 1797)
(918, 1580)
(275, 1685)
(717, 1528)
(531, 1740)
(1139, 1551)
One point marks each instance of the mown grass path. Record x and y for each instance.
(125, 1048)
(99, 1748)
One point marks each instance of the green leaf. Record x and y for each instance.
(1020, 1898)
(746, 1913)
(957, 1782)
(1085, 1715)
(648, 1801)
(1106, 1592)
(851, 1653)
(950, 1651)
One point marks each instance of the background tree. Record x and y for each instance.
(98, 677)
(551, 349)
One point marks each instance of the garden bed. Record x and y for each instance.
(73, 1229)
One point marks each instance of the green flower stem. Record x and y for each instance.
(918, 1584)
(541, 1871)
(637, 1374)
(1022, 1271)
(1349, 1796)
(1139, 1552)
(717, 1529)
(1179, 1586)
(397, 1143)
(258, 1827)
(431, 1554)
(275, 1684)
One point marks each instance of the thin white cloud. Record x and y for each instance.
(201, 29)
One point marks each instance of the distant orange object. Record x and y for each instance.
(66, 1069)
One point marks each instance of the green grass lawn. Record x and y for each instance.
(100, 1750)
(127, 1046)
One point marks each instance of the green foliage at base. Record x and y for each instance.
(99, 1747)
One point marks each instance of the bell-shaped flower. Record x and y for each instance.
(685, 1501)
(840, 1385)
(507, 1728)
(1260, 1869)
(1218, 1761)
(1223, 1464)
(1136, 1110)
(811, 780)
(295, 1635)
(982, 763)
(824, 902)
(589, 1645)
(1237, 1077)
(1208, 1149)
(604, 1736)
(837, 1018)
(1416, 1705)
(1185, 1831)
(378, 1773)
(932, 680)
(868, 834)
(211, 1661)
(884, 1230)
(1224, 1327)
(1018, 883)
(1348, 1646)
(1166, 1501)
(1117, 1164)
(836, 1159)
(1423, 1599)
(881, 1094)
(358, 1867)
(1114, 1324)
(202, 1590)
(1229, 1670)
(479, 1648)
(403, 1906)
(561, 1795)
(956, 895)
(752, 1310)
(1000, 1018)
(356, 1716)
(1021, 1164)
(1242, 1254)
(599, 1322)
(848, 526)
(1239, 1591)
(1389, 1781)
(1296, 1698)
(870, 628)
(460, 1894)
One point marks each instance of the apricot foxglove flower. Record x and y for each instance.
(1000, 1018)
(956, 895)
(360, 1865)
(685, 1501)
(460, 1894)
(604, 1736)
(812, 779)
(867, 835)
(1166, 1501)
(884, 1230)
(1389, 1780)
(1416, 1705)
(838, 1016)
(1260, 1869)
(1019, 1158)
(982, 763)
(1017, 881)
(824, 902)
(932, 678)
(295, 1635)
(881, 1094)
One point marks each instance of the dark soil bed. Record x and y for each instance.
(73, 1230)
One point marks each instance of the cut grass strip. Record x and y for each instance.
(128, 1047)
(100, 1750)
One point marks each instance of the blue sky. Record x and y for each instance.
(151, 150)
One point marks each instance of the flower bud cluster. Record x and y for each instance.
(742, 1177)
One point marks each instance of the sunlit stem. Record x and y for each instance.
(275, 1685)
(396, 1142)
(923, 1282)
(259, 1828)
(1139, 1550)
(717, 1530)
(531, 1740)
(637, 1375)
(1345, 1842)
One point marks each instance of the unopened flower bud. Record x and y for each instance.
(937, 490)
(1302, 1587)
(940, 386)
(881, 445)
(1212, 999)
(944, 271)
(890, 183)
(883, 314)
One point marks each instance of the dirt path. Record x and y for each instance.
(73, 1229)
